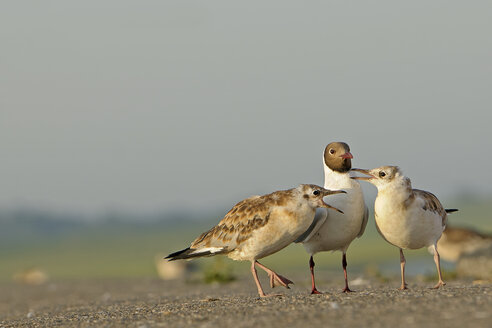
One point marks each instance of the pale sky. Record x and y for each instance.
(164, 105)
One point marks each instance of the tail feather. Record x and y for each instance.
(182, 254)
(451, 210)
(189, 253)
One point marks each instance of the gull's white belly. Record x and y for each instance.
(411, 228)
(339, 230)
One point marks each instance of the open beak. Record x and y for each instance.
(363, 178)
(333, 208)
(327, 192)
(347, 155)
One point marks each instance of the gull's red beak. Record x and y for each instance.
(347, 155)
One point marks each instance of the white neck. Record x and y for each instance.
(334, 179)
(398, 190)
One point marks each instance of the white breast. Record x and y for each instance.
(339, 230)
(407, 228)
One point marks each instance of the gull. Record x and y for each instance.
(331, 231)
(456, 241)
(406, 218)
(260, 226)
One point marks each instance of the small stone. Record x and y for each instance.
(106, 297)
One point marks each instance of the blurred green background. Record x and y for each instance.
(116, 246)
(183, 108)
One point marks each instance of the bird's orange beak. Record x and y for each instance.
(347, 155)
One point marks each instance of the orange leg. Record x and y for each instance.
(437, 260)
(257, 281)
(275, 279)
(344, 265)
(313, 285)
(402, 266)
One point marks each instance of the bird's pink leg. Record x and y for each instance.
(275, 279)
(437, 260)
(313, 285)
(402, 266)
(344, 265)
(257, 281)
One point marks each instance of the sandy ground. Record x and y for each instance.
(153, 303)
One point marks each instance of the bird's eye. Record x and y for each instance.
(332, 151)
(382, 174)
(316, 192)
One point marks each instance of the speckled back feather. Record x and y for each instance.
(245, 217)
(431, 203)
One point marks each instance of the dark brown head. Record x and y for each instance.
(338, 157)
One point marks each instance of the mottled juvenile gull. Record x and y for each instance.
(260, 226)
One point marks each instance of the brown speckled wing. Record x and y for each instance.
(460, 234)
(237, 225)
(431, 203)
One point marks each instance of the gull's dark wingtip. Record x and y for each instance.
(182, 254)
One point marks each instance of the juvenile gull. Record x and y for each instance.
(331, 231)
(260, 226)
(456, 241)
(406, 218)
